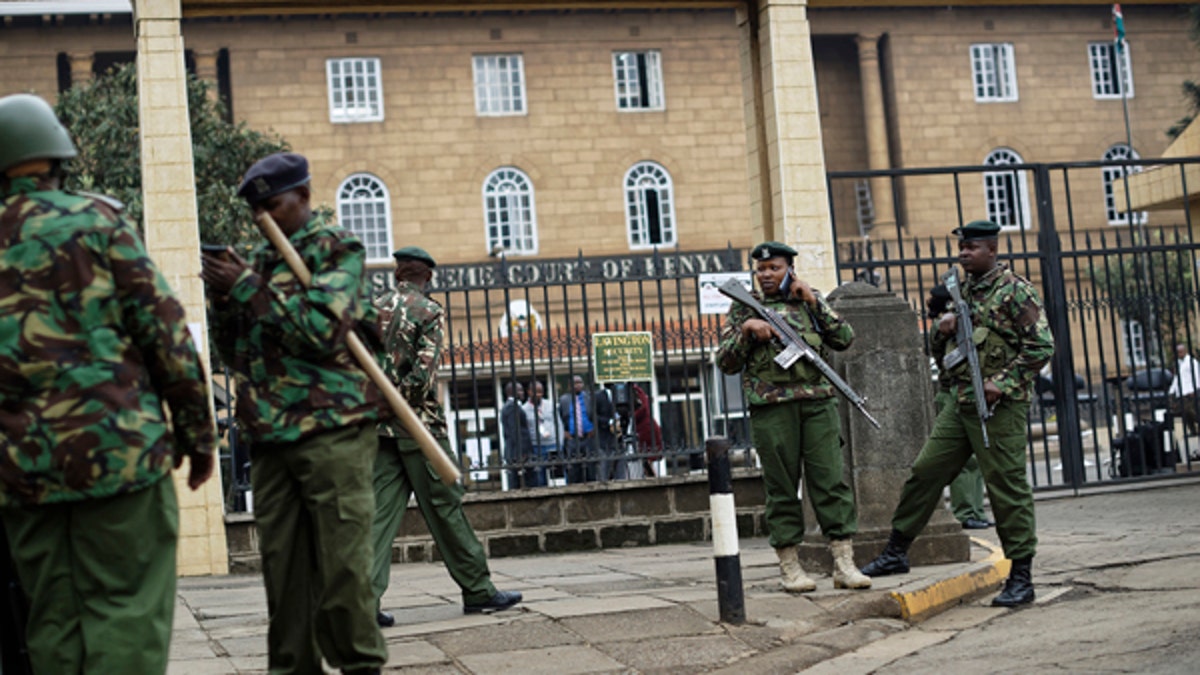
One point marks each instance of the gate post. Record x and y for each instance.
(1054, 300)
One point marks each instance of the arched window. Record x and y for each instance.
(364, 208)
(1004, 192)
(649, 206)
(508, 207)
(1112, 205)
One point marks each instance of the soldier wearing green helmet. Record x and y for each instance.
(94, 351)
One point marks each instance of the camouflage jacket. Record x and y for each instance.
(287, 344)
(1012, 335)
(93, 343)
(413, 335)
(764, 381)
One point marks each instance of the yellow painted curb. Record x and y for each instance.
(987, 574)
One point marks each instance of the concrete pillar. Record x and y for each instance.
(875, 124)
(206, 69)
(81, 67)
(789, 199)
(888, 366)
(173, 239)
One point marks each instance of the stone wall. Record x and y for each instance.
(554, 520)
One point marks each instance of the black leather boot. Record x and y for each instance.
(893, 560)
(1018, 590)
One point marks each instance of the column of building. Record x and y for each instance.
(875, 124)
(173, 239)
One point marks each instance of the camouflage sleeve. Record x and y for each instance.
(1036, 343)
(835, 331)
(158, 328)
(419, 382)
(733, 349)
(319, 317)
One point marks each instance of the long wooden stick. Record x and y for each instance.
(408, 418)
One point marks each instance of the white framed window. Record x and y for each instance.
(1111, 71)
(508, 208)
(355, 90)
(649, 206)
(637, 77)
(364, 208)
(1135, 342)
(1112, 173)
(499, 84)
(994, 72)
(1005, 192)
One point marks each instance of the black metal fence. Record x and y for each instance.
(1119, 295)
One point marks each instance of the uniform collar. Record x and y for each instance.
(25, 185)
(990, 277)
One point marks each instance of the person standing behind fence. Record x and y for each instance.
(94, 352)
(649, 433)
(413, 327)
(587, 416)
(545, 430)
(794, 420)
(1183, 387)
(1014, 341)
(517, 441)
(309, 412)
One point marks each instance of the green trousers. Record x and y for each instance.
(802, 439)
(100, 577)
(956, 435)
(401, 471)
(313, 505)
(966, 490)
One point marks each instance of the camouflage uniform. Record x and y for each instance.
(1014, 342)
(309, 412)
(794, 421)
(414, 329)
(966, 490)
(93, 343)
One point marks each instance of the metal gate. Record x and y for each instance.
(1119, 287)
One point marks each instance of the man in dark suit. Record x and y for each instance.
(587, 418)
(517, 443)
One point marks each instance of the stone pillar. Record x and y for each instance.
(875, 124)
(81, 67)
(173, 240)
(789, 199)
(888, 366)
(206, 69)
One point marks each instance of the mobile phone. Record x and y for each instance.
(785, 286)
(214, 249)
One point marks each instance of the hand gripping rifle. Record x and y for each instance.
(965, 349)
(408, 418)
(794, 346)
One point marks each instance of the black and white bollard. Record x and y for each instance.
(730, 600)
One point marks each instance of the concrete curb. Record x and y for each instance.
(988, 574)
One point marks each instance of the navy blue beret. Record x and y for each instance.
(272, 175)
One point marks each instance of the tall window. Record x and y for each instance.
(355, 90)
(1110, 71)
(1112, 201)
(649, 206)
(994, 72)
(508, 207)
(638, 79)
(499, 84)
(1135, 342)
(364, 209)
(1004, 191)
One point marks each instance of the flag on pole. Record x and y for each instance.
(1118, 27)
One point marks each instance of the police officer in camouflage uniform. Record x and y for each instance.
(794, 421)
(414, 331)
(309, 412)
(1014, 341)
(94, 348)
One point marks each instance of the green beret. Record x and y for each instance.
(772, 249)
(414, 253)
(977, 229)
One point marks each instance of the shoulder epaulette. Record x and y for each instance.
(115, 204)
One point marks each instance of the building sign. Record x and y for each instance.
(621, 357)
(712, 301)
(516, 270)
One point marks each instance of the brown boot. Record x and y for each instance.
(794, 579)
(845, 573)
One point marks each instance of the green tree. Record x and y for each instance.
(103, 119)
(1191, 90)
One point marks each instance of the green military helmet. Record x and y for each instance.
(29, 129)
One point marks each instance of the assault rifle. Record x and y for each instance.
(965, 349)
(794, 346)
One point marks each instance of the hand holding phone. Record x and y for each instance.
(214, 249)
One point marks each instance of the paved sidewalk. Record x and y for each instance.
(614, 610)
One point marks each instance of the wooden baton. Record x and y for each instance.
(408, 418)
